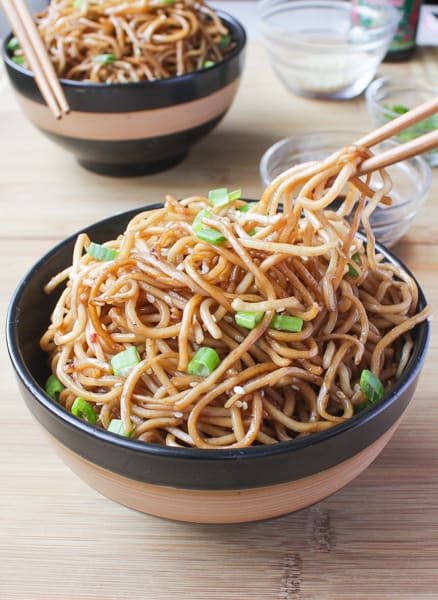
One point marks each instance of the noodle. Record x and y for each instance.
(168, 293)
(109, 41)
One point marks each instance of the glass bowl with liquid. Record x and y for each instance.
(326, 48)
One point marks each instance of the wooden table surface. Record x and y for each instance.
(59, 539)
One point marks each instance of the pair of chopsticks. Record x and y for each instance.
(24, 28)
(424, 143)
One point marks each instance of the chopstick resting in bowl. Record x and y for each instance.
(423, 143)
(22, 24)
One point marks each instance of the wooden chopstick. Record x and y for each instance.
(420, 112)
(424, 143)
(36, 54)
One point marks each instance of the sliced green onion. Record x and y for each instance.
(18, 60)
(208, 63)
(116, 426)
(197, 224)
(371, 386)
(373, 389)
(351, 270)
(397, 108)
(106, 59)
(218, 197)
(224, 41)
(53, 387)
(123, 362)
(246, 207)
(248, 319)
(101, 253)
(234, 195)
(79, 4)
(211, 236)
(166, 2)
(252, 232)
(204, 362)
(13, 44)
(82, 409)
(287, 323)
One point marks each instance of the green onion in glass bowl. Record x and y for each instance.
(389, 97)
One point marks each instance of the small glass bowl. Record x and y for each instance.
(411, 178)
(388, 97)
(326, 48)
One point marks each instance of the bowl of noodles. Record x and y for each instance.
(143, 85)
(214, 359)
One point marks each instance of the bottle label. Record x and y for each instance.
(407, 28)
(409, 11)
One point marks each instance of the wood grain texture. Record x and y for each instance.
(377, 538)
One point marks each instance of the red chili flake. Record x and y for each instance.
(93, 338)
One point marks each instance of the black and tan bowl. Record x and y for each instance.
(135, 128)
(216, 486)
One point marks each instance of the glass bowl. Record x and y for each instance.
(326, 48)
(388, 97)
(411, 178)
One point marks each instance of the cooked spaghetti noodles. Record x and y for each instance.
(289, 306)
(109, 41)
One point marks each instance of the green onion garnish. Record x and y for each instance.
(197, 224)
(417, 129)
(166, 2)
(82, 409)
(397, 108)
(220, 197)
(101, 253)
(248, 319)
(234, 195)
(116, 426)
(208, 63)
(287, 323)
(123, 362)
(106, 59)
(204, 362)
(224, 42)
(13, 44)
(371, 386)
(246, 207)
(252, 232)
(18, 60)
(211, 236)
(53, 387)
(351, 270)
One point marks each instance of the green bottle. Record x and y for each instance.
(404, 43)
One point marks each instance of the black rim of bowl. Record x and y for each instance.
(238, 36)
(254, 452)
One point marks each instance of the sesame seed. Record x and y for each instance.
(150, 298)
(238, 389)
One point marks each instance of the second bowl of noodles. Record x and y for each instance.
(142, 88)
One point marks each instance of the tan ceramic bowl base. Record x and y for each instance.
(222, 506)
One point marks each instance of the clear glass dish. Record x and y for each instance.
(388, 97)
(326, 48)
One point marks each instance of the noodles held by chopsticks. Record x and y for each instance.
(108, 41)
(293, 305)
